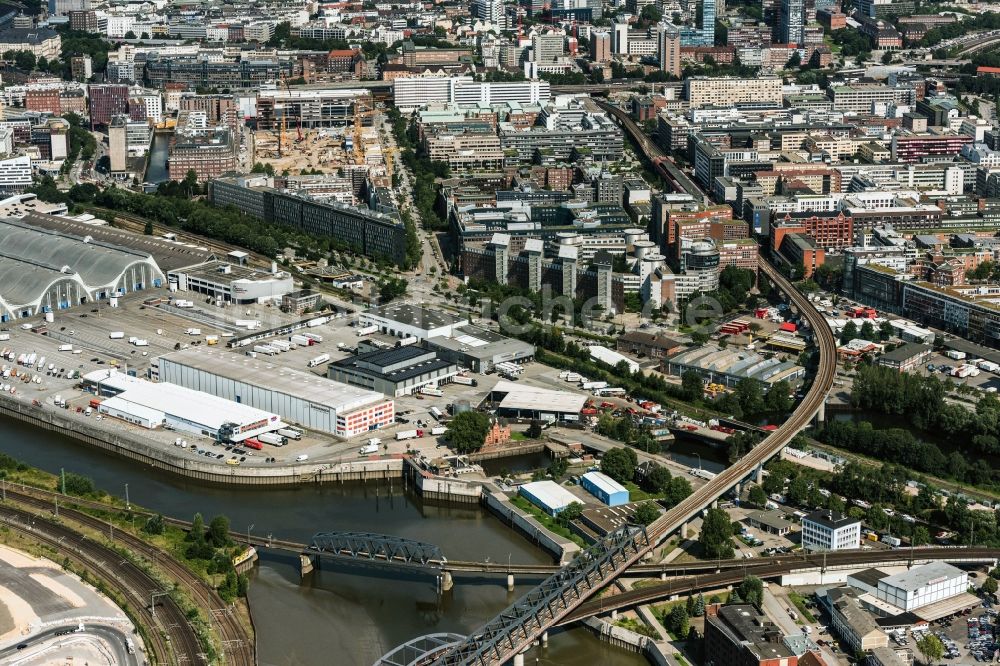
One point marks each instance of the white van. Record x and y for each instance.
(301, 458)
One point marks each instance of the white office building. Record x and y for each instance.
(829, 530)
(15, 175)
(922, 586)
(410, 94)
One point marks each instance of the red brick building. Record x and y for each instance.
(46, 101)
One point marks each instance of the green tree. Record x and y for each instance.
(751, 591)
(677, 490)
(678, 622)
(148, 229)
(989, 585)
(25, 60)
(716, 535)
(77, 484)
(692, 385)
(391, 289)
(467, 431)
(154, 525)
(573, 511)
(197, 531)
(218, 531)
(920, 536)
(757, 496)
(535, 429)
(619, 464)
(646, 513)
(657, 480)
(849, 332)
(699, 605)
(931, 647)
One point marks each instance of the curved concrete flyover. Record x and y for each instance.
(771, 569)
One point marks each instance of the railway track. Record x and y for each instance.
(238, 645)
(171, 638)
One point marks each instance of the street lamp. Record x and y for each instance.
(249, 527)
(699, 461)
(128, 505)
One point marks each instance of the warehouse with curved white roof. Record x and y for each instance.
(43, 270)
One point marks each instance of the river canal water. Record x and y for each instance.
(342, 615)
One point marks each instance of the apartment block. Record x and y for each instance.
(729, 91)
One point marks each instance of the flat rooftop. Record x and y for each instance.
(273, 377)
(396, 364)
(195, 406)
(413, 315)
(518, 395)
(919, 577)
(215, 271)
(481, 343)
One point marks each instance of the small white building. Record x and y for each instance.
(829, 530)
(612, 358)
(548, 496)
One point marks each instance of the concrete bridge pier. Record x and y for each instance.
(308, 562)
(510, 582)
(519, 659)
(821, 412)
(759, 475)
(683, 531)
(545, 638)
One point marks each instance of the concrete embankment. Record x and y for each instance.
(562, 548)
(131, 446)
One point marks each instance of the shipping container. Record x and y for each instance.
(892, 541)
(319, 360)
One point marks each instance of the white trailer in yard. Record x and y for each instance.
(366, 330)
(406, 434)
(319, 360)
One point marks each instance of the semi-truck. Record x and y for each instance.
(271, 438)
(590, 386)
(439, 430)
(65, 348)
(368, 449)
(290, 433)
(193, 331)
(116, 335)
(988, 366)
(319, 360)
(408, 434)
(252, 443)
(407, 341)
(430, 390)
(180, 303)
(283, 345)
(249, 324)
(315, 337)
(265, 349)
(436, 413)
(366, 330)
(464, 381)
(300, 340)
(318, 321)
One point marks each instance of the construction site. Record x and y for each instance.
(320, 130)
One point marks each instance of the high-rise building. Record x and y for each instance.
(792, 22)
(668, 41)
(600, 46)
(620, 34)
(106, 102)
(488, 10)
(702, 33)
(118, 144)
(546, 48)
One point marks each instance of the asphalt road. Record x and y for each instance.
(114, 638)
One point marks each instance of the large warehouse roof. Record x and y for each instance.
(33, 260)
(278, 378)
(524, 397)
(167, 253)
(180, 402)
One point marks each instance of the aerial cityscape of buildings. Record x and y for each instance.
(690, 308)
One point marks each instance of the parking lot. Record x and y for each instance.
(967, 639)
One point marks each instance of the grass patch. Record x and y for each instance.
(680, 659)
(800, 605)
(637, 494)
(638, 626)
(518, 436)
(545, 519)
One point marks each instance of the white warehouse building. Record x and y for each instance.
(150, 405)
(300, 397)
